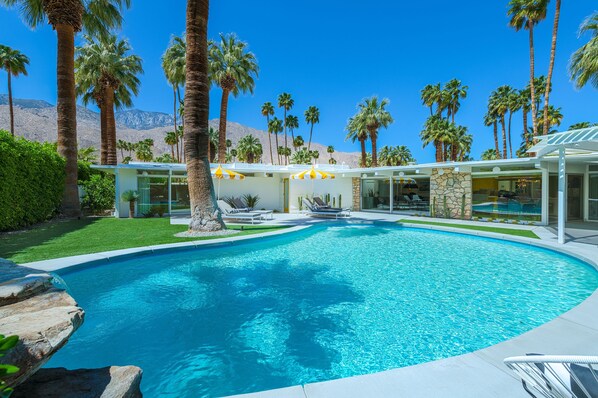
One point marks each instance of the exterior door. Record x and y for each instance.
(574, 197)
(593, 197)
(285, 195)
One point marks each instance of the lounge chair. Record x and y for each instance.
(320, 204)
(229, 213)
(314, 211)
(557, 376)
(240, 206)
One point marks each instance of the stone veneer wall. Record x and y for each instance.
(453, 185)
(356, 193)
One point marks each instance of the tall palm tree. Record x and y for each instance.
(499, 100)
(104, 70)
(526, 14)
(431, 95)
(312, 116)
(490, 119)
(357, 131)
(292, 124)
(173, 65)
(172, 140)
(376, 116)
(525, 104)
(555, 117)
(267, 111)
(205, 214)
(68, 17)
(513, 105)
(298, 142)
(14, 63)
(555, 29)
(249, 148)
(286, 102)
(233, 69)
(275, 127)
(434, 132)
(456, 91)
(583, 67)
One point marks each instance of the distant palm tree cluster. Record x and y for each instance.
(290, 123)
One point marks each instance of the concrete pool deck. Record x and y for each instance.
(477, 374)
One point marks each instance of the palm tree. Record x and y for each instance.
(455, 91)
(376, 116)
(213, 136)
(403, 155)
(583, 67)
(267, 111)
(143, 150)
(499, 102)
(292, 124)
(286, 102)
(68, 17)
(555, 29)
(173, 65)
(490, 154)
(233, 69)
(330, 151)
(513, 105)
(298, 142)
(490, 119)
(122, 147)
(275, 127)
(555, 117)
(525, 14)
(580, 125)
(205, 214)
(249, 147)
(312, 116)
(431, 95)
(525, 103)
(14, 63)
(105, 71)
(435, 131)
(172, 140)
(357, 131)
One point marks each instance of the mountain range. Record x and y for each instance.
(36, 120)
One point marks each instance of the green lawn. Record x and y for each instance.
(507, 231)
(63, 238)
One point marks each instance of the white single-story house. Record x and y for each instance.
(559, 183)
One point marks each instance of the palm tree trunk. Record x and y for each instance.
(454, 152)
(12, 115)
(311, 130)
(174, 116)
(66, 109)
(504, 137)
(555, 29)
(525, 135)
(205, 214)
(110, 127)
(510, 143)
(531, 82)
(269, 138)
(277, 151)
(373, 136)
(285, 136)
(438, 145)
(363, 152)
(172, 151)
(103, 136)
(496, 139)
(222, 126)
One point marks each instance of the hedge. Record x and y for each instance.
(32, 177)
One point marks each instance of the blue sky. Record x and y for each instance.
(334, 53)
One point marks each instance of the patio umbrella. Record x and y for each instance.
(312, 174)
(224, 174)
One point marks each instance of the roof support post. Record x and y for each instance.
(391, 203)
(562, 197)
(170, 192)
(117, 193)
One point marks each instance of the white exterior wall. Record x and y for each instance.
(126, 179)
(338, 186)
(269, 190)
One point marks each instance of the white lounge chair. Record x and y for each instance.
(318, 212)
(557, 376)
(240, 206)
(228, 213)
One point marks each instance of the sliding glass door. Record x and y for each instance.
(593, 197)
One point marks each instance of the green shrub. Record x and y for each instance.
(99, 193)
(159, 210)
(31, 182)
(6, 343)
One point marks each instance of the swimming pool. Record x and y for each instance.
(324, 303)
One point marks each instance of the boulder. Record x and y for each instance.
(110, 382)
(19, 283)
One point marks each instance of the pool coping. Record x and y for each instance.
(476, 374)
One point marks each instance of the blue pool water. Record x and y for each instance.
(330, 302)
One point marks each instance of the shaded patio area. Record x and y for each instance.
(578, 232)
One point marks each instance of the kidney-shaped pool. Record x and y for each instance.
(324, 303)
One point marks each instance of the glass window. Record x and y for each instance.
(410, 195)
(512, 197)
(593, 198)
(375, 194)
(180, 195)
(153, 191)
